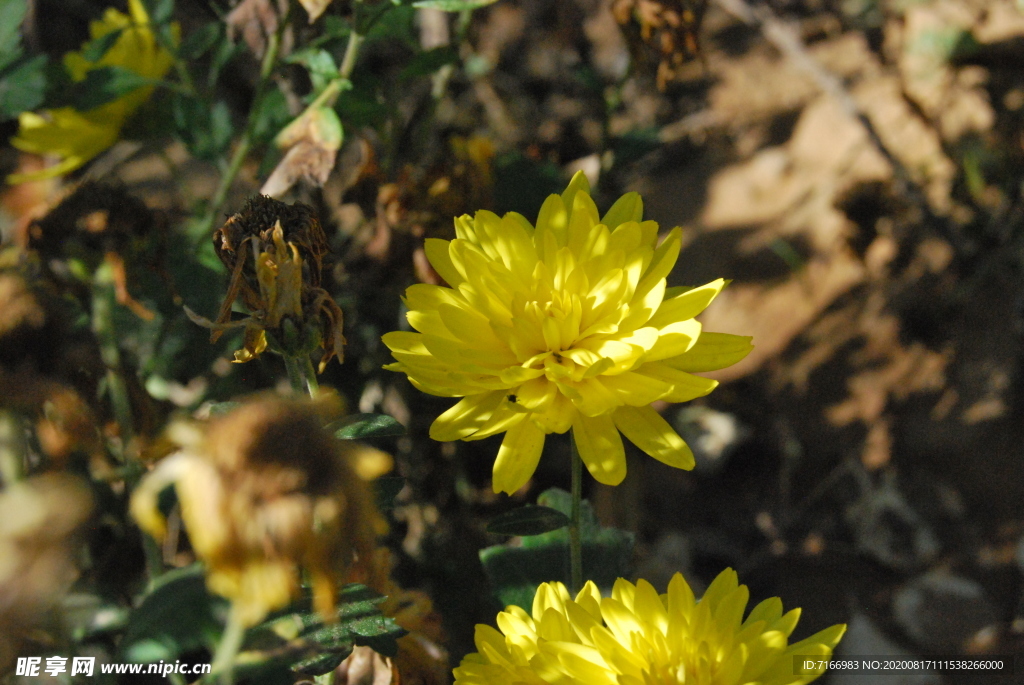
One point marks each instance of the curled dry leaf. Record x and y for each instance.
(312, 141)
(314, 8)
(365, 667)
(255, 20)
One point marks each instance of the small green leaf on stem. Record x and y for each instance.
(104, 85)
(159, 11)
(94, 50)
(197, 43)
(386, 489)
(360, 426)
(528, 520)
(453, 5)
(22, 86)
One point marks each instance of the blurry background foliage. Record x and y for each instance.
(854, 166)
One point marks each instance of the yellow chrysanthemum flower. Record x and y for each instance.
(638, 637)
(76, 137)
(568, 325)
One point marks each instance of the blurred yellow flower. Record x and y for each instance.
(74, 136)
(638, 637)
(264, 491)
(568, 325)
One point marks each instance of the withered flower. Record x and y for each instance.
(274, 252)
(264, 491)
(41, 520)
(672, 27)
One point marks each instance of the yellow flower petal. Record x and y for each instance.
(466, 417)
(684, 386)
(517, 457)
(712, 351)
(687, 305)
(646, 429)
(600, 448)
(629, 207)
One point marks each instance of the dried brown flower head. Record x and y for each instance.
(264, 491)
(672, 27)
(41, 519)
(274, 252)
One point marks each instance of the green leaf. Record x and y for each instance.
(205, 129)
(221, 129)
(12, 13)
(528, 520)
(22, 86)
(298, 637)
(516, 571)
(199, 41)
(94, 50)
(271, 117)
(222, 408)
(386, 489)
(179, 615)
(453, 5)
(320, 65)
(426, 63)
(223, 53)
(360, 426)
(104, 85)
(159, 11)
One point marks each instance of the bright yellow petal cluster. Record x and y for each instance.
(76, 136)
(566, 325)
(638, 637)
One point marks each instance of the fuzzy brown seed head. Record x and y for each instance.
(277, 434)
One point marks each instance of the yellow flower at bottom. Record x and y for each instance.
(568, 325)
(74, 136)
(638, 637)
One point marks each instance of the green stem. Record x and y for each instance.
(575, 538)
(245, 142)
(103, 302)
(329, 95)
(154, 556)
(312, 384)
(12, 448)
(296, 374)
(348, 62)
(227, 650)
